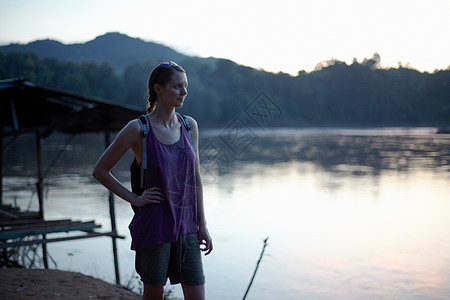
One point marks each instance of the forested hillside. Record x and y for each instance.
(335, 94)
(118, 49)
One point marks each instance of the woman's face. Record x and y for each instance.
(175, 90)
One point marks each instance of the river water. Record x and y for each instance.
(349, 213)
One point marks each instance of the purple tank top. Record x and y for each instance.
(171, 168)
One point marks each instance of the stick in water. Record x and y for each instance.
(256, 269)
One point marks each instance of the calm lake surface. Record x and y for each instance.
(350, 213)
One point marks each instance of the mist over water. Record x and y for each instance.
(350, 213)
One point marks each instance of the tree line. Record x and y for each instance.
(334, 94)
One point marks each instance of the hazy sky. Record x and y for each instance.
(277, 35)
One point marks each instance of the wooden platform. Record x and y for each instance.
(16, 225)
(8, 212)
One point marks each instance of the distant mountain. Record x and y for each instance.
(118, 49)
(336, 94)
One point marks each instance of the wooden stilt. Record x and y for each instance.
(112, 214)
(1, 176)
(40, 183)
(1, 166)
(39, 186)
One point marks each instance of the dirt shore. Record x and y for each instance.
(21, 283)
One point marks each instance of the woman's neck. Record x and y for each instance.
(164, 117)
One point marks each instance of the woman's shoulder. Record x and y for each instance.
(132, 129)
(129, 136)
(194, 128)
(192, 121)
(133, 125)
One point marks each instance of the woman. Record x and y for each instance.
(169, 227)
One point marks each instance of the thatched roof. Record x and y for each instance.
(25, 106)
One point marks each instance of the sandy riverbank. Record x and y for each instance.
(21, 283)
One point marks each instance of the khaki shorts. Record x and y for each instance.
(179, 261)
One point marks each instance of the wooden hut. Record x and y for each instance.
(29, 108)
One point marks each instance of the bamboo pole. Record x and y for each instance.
(256, 269)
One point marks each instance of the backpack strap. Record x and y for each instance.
(187, 125)
(143, 120)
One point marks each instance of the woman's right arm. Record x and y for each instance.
(128, 137)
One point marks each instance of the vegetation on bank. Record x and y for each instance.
(334, 94)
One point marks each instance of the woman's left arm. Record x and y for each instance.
(203, 234)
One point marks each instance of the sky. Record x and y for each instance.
(286, 36)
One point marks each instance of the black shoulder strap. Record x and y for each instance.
(187, 125)
(143, 120)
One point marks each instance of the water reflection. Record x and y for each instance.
(350, 151)
(358, 241)
(357, 152)
(350, 214)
